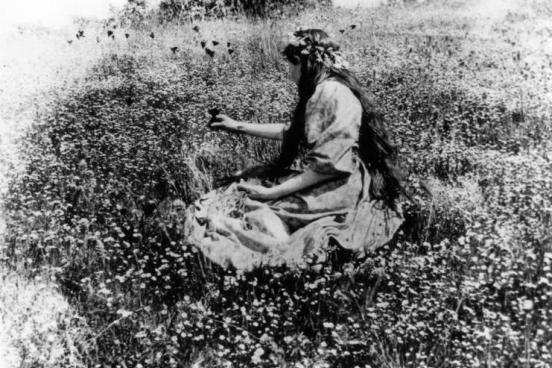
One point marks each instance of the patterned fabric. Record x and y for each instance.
(339, 208)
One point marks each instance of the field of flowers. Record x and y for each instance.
(111, 160)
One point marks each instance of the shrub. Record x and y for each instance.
(170, 10)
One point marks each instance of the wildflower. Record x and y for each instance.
(256, 358)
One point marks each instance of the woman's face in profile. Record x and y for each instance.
(294, 72)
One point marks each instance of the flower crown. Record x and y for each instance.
(325, 52)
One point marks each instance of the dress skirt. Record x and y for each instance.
(340, 210)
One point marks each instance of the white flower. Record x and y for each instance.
(256, 358)
(528, 304)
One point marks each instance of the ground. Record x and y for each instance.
(112, 131)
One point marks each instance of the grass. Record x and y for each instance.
(38, 326)
(119, 133)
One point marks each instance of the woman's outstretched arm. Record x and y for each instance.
(271, 131)
(292, 185)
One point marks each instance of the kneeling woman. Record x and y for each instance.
(346, 188)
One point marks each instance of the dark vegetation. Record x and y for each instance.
(467, 282)
(173, 11)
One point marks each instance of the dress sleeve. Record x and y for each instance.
(332, 121)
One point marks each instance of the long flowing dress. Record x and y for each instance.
(340, 208)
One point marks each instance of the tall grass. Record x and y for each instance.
(109, 161)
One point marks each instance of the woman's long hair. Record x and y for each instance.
(375, 150)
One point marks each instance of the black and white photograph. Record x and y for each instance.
(276, 184)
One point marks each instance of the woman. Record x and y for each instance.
(347, 188)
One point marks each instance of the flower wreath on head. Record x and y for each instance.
(324, 51)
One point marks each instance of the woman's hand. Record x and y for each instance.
(253, 171)
(258, 191)
(225, 122)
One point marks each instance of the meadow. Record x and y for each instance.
(96, 271)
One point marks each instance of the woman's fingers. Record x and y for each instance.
(252, 204)
(237, 173)
(248, 188)
(216, 125)
(243, 187)
(222, 121)
(255, 191)
(222, 118)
